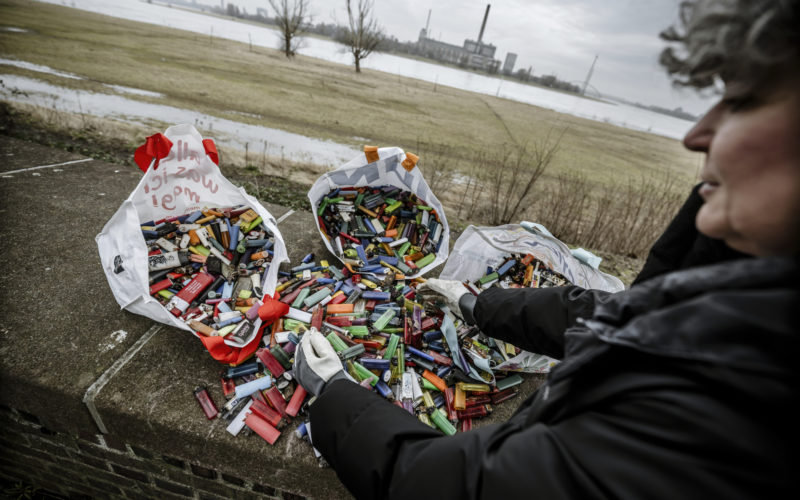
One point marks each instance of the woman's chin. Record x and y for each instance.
(710, 223)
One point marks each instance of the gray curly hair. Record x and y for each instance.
(741, 40)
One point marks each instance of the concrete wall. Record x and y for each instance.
(102, 466)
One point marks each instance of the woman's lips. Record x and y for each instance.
(707, 189)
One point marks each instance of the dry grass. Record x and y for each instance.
(503, 187)
(625, 219)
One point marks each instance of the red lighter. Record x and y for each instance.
(161, 285)
(276, 399)
(228, 387)
(317, 317)
(269, 415)
(208, 406)
(262, 428)
(269, 361)
(180, 302)
(297, 401)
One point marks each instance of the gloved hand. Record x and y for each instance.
(316, 364)
(448, 291)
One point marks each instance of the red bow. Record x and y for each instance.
(211, 150)
(156, 147)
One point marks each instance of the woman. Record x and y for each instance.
(682, 386)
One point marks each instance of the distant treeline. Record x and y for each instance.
(677, 112)
(389, 44)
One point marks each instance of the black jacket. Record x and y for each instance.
(681, 387)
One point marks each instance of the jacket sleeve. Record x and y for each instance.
(534, 319)
(660, 439)
(378, 450)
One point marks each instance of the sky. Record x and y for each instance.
(560, 37)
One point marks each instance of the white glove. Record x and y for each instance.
(447, 291)
(316, 363)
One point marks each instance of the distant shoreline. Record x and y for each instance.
(499, 79)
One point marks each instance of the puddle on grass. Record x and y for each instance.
(38, 68)
(13, 29)
(46, 69)
(226, 133)
(131, 90)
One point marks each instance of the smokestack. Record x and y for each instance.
(428, 23)
(483, 26)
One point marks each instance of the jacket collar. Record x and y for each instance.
(742, 314)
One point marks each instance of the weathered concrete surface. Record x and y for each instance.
(61, 329)
(57, 332)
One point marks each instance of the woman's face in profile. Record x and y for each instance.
(752, 170)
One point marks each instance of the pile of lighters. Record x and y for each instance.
(394, 225)
(518, 271)
(206, 268)
(389, 341)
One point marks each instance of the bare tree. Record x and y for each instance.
(290, 16)
(363, 34)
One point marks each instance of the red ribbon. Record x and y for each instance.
(156, 147)
(211, 150)
(271, 310)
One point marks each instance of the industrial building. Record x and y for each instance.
(511, 60)
(472, 54)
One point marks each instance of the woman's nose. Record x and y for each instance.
(698, 138)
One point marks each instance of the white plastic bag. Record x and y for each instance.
(480, 247)
(387, 171)
(184, 181)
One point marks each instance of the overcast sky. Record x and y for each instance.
(558, 37)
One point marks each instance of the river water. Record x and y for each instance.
(609, 112)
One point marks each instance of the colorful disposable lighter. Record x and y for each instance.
(509, 381)
(208, 406)
(161, 285)
(449, 398)
(265, 412)
(460, 400)
(180, 302)
(276, 399)
(297, 401)
(390, 349)
(228, 386)
(262, 428)
(433, 379)
(475, 411)
(269, 361)
(442, 423)
(249, 388)
(337, 343)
